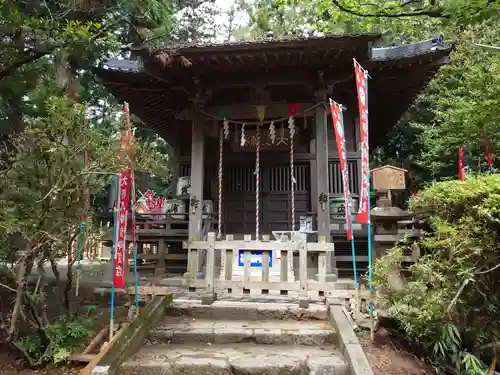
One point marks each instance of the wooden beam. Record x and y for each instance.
(247, 111)
(152, 290)
(260, 245)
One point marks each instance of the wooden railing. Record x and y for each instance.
(159, 243)
(280, 277)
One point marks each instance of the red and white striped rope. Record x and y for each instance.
(221, 149)
(292, 180)
(257, 186)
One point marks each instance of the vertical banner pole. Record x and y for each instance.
(338, 127)
(130, 136)
(113, 255)
(349, 218)
(370, 257)
(134, 239)
(364, 216)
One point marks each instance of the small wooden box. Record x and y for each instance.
(388, 178)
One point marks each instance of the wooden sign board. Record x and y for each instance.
(388, 178)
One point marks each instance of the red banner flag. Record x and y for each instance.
(361, 87)
(338, 127)
(121, 233)
(461, 163)
(486, 149)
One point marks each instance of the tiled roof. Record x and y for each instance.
(270, 41)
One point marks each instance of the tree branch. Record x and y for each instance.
(25, 60)
(17, 305)
(434, 13)
(8, 288)
(34, 56)
(488, 271)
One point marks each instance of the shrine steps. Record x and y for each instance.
(240, 338)
(235, 359)
(186, 330)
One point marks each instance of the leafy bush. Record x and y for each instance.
(455, 282)
(65, 336)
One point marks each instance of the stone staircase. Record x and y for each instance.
(241, 338)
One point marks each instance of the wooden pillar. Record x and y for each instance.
(175, 150)
(320, 186)
(196, 197)
(196, 189)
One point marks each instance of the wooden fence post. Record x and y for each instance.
(210, 296)
(303, 297)
(227, 257)
(160, 261)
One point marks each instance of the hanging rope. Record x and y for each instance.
(291, 126)
(257, 186)
(257, 123)
(221, 149)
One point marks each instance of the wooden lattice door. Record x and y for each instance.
(275, 202)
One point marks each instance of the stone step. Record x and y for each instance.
(255, 311)
(235, 359)
(182, 330)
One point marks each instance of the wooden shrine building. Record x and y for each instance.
(184, 93)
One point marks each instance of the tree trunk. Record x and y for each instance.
(16, 311)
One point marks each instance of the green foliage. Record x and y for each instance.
(51, 111)
(380, 13)
(286, 17)
(455, 283)
(41, 203)
(449, 346)
(65, 337)
(40, 194)
(461, 99)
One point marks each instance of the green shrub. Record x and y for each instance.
(456, 283)
(66, 336)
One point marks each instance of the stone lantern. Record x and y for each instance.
(385, 217)
(386, 220)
